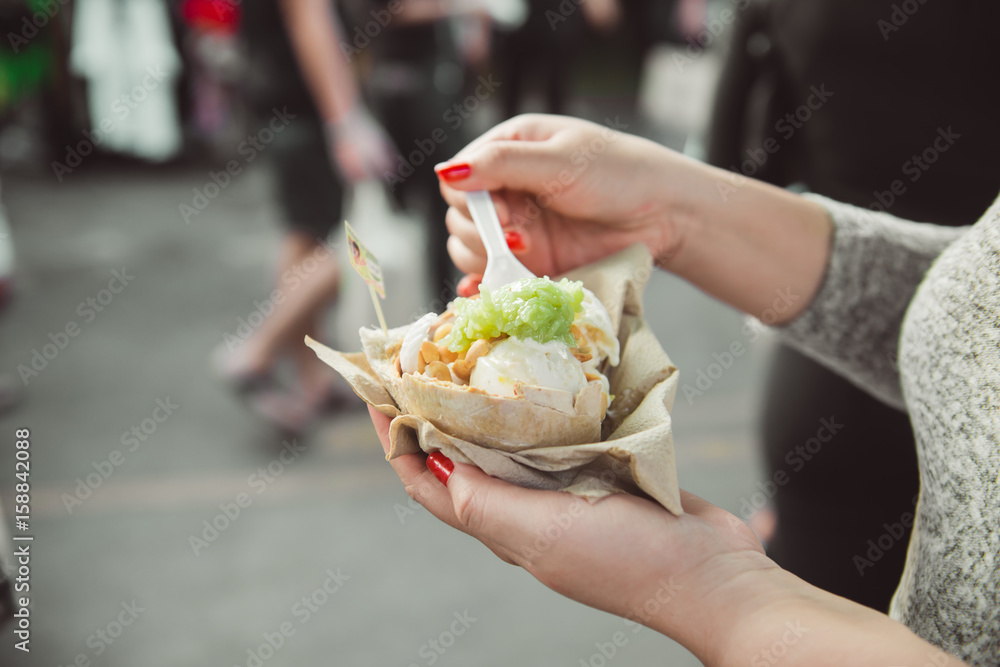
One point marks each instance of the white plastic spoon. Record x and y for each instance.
(501, 265)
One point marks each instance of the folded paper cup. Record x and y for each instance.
(526, 440)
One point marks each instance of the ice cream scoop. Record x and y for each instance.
(526, 361)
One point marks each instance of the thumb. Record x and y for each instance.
(508, 519)
(498, 165)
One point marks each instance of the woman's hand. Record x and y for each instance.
(361, 148)
(625, 555)
(568, 192)
(701, 578)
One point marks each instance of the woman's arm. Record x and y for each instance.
(358, 145)
(314, 30)
(754, 246)
(840, 277)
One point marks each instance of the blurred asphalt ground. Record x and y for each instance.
(335, 515)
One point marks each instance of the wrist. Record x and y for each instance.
(717, 608)
(743, 617)
(683, 207)
(745, 242)
(764, 615)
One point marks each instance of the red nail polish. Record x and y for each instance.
(514, 241)
(456, 172)
(441, 466)
(468, 286)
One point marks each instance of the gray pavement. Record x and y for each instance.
(115, 578)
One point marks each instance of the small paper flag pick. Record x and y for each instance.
(367, 266)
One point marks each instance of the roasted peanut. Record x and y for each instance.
(446, 355)
(442, 331)
(430, 351)
(439, 371)
(421, 362)
(462, 370)
(478, 349)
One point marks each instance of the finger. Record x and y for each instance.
(526, 127)
(421, 485)
(516, 165)
(523, 128)
(468, 286)
(460, 226)
(419, 482)
(381, 423)
(456, 200)
(464, 259)
(508, 519)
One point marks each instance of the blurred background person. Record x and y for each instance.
(342, 134)
(295, 67)
(554, 45)
(209, 37)
(881, 108)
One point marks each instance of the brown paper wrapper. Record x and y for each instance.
(536, 446)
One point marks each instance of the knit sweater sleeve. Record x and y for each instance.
(875, 265)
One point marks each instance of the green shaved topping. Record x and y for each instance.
(536, 308)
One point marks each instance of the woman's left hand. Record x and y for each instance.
(624, 554)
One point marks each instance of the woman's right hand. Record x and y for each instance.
(568, 192)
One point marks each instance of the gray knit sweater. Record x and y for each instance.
(911, 312)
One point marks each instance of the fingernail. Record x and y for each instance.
(456, 172)
(441, 466)
(468, 286)
(514, 241)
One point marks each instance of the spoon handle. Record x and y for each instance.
(487, 223)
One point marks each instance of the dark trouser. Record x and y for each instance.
(416, 121)
(845, 511)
